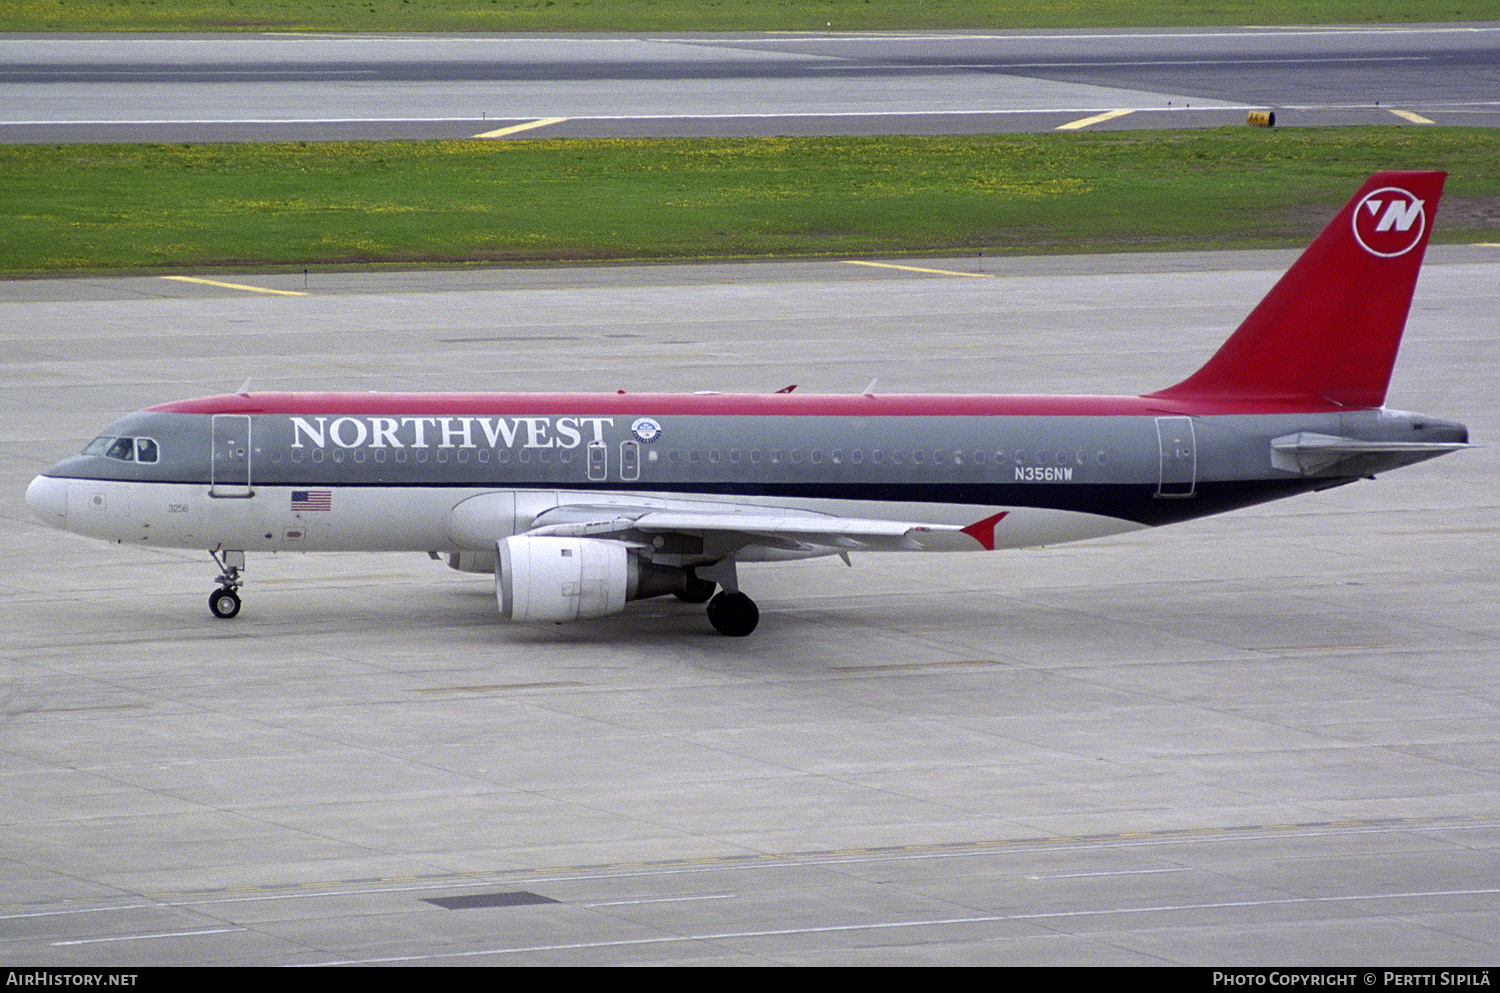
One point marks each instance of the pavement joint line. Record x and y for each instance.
(514, 876)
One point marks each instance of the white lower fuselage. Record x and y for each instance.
(439, 519)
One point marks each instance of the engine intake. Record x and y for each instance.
(545, 578)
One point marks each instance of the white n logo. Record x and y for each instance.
(1398, 215)
(1389, 222)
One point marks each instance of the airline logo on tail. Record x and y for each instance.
(1389, 222)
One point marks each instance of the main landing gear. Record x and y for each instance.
(696, 590)
(733, 614)
(224, 602)
(730, 611)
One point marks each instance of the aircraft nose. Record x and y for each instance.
(48, 499)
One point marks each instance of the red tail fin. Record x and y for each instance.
(1329, 330)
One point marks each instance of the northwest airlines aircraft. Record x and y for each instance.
(580, 502)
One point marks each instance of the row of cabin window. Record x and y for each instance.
(878, 456)
(734, 456)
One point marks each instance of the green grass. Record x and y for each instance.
(706, 15)
(143, 207)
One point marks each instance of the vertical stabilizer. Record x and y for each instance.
(1329, 330)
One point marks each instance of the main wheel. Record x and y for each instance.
(224, 603)
(733, 614)
(696, 591)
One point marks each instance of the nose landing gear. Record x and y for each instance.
(224, 602)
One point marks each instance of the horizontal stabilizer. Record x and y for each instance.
(1315, 454)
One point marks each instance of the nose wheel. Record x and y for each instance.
(224, 602)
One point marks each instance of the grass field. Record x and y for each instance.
(706, 15)
(137, 207)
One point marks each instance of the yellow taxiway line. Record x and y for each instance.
(913, 268)
(1084, 122)
(1415, 118)
(236, 286)
(502, 132)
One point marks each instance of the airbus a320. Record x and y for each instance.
(579, 503)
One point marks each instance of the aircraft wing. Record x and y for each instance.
(727, 529)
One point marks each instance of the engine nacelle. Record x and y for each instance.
(561, 579)
(467, 561)
(544, 578)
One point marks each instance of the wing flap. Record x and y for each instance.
(725, 531)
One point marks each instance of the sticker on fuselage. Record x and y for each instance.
(645, 430)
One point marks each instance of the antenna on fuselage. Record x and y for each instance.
(870, 390)
(244, 389)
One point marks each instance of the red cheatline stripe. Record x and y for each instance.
(724, 405)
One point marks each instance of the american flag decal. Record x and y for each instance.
(312, 499)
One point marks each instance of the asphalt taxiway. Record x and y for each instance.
(1266, 738)
(311, 87)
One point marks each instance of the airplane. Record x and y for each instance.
(579, 503)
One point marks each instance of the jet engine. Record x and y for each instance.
(467, 561)
(545, 578)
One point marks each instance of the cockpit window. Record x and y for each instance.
(123, 449)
